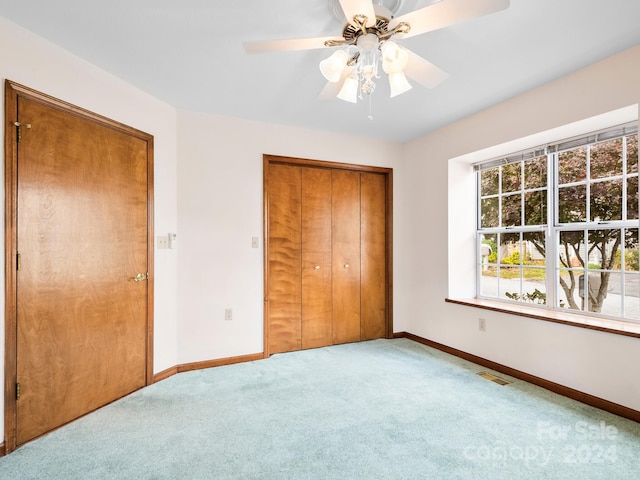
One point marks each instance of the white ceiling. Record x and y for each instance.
(189, 53)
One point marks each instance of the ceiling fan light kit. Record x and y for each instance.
(398, 83)
(333, 66)
(349, 90)
(369, 53)
(366, 44)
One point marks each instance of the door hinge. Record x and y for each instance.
(17, 391)
(18, 263)
(20, 125)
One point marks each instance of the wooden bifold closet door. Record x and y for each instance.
(327, 253)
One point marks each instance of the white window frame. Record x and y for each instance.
(552, 228)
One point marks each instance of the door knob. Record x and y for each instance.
(140, 277)
(317, 267)
(346, 265)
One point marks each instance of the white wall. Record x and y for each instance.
(597, 363)
(220, 209)
(36, 63)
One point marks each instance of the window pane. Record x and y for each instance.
(535, 208)
(489, 248)
(631, 250)
(605, 293)
(572, 165)
(572, 204)
(488, 260)
(603, 248)
(632, 296)
(606, 159)
(571, 249)
(606, 201)
(511, 177)
(489, 212)
(535, 173)
(632, 154)
(632, 198)
(512, 210)
(510, 283)
(510, 249)
(489, 282)
(534, 248)
(571, 290)
(489, 181)
(533, 286)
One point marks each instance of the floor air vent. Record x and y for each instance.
(493, 378)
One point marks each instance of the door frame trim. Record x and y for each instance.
(12, 92)
(304, 162)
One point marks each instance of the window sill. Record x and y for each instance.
(615, 327)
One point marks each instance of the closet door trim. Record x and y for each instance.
(302, 162)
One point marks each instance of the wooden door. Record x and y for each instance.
(327, 253)
(345, 251)
(373, 247)
(284, 296)
(317, 325)
(82, 237)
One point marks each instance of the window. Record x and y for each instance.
(557, 226)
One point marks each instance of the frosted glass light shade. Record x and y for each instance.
(398, 83)
(394, 58)
(333, 66)
(349, 90)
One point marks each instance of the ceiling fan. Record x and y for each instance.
(366, 42)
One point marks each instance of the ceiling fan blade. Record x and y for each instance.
(331, 89)
(423, 71)
(446, 13)
(351, 8)
(288, 45)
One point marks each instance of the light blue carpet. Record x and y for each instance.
(385, 409)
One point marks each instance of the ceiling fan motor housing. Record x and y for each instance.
(383, 17)
(384, 8)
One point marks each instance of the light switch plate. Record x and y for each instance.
(163, 241)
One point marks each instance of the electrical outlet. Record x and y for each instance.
(482, 324)
(228, 314)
